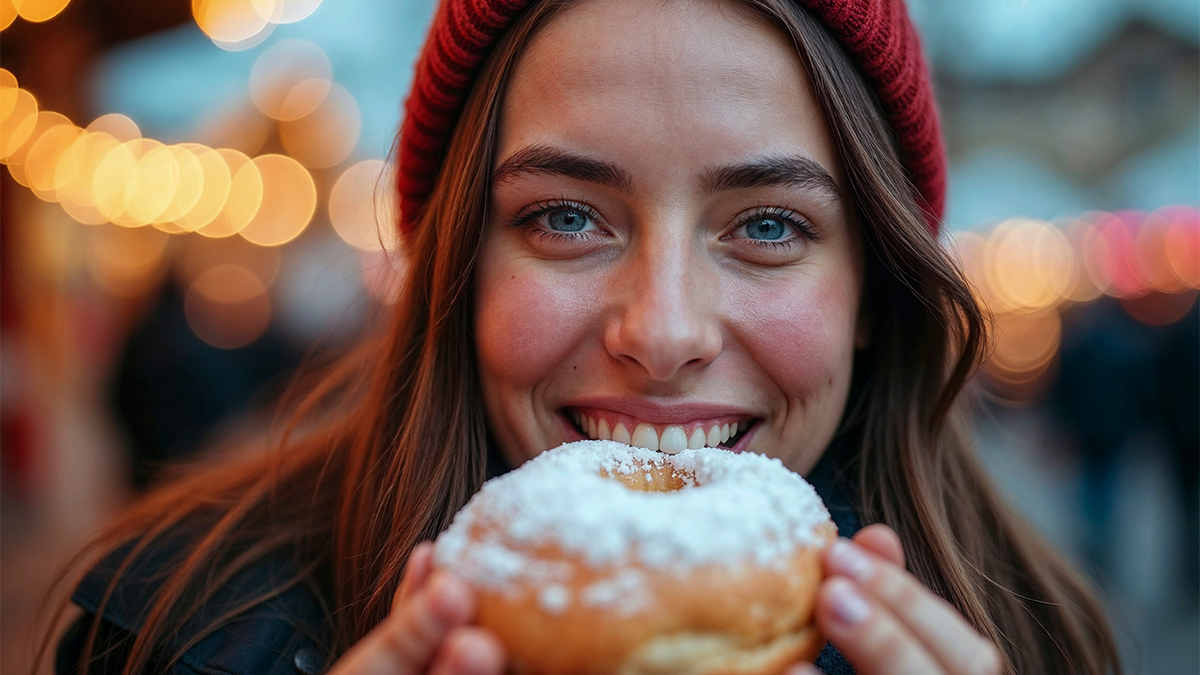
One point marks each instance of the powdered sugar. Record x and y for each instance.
(738, 508)
(627, 591)
(554, 598)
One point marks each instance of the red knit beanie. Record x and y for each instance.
(877, 34)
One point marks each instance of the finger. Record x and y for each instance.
(470, 651)
(411, 636)
(935, 622)
(869, 636)
(416, 571)
(882, 541)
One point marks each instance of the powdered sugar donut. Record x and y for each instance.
(597, 557)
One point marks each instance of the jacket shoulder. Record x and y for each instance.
(259, 621)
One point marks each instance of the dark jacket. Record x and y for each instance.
(289, 634)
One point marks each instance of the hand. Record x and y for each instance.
(427, 630)
(885, 622)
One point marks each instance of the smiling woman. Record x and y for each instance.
(671, 224)
(679, 247)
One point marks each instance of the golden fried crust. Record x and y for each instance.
(712, 620)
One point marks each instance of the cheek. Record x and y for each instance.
(527, 326)
(802, 337)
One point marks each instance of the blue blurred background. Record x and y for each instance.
(189, 207)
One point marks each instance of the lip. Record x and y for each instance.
(658, 412)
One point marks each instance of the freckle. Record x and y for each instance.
(831, 381)
(574, 367)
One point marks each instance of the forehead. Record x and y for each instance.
(693, 81)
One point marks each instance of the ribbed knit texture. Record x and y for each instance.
(877, 34)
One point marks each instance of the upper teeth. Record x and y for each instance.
(672, 439)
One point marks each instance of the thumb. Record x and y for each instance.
(882, 541)
(409, 638)
(413, 634)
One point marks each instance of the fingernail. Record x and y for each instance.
(848, 605)
(848, 559)
(449, 599)
(802, 669)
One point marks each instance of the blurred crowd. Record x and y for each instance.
(189, 210)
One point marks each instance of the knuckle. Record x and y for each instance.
(402, 644)
(900, 592)
(891, 647)
(415, 632)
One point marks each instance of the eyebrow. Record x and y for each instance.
(542, 159)
(778, 171)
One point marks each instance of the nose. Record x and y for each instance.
(667, 320)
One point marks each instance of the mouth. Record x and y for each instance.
(728, 432)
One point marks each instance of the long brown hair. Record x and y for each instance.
(391, 441)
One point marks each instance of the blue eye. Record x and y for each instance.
(766, 229)
(567, 220)
(560, 219)
(774, 227)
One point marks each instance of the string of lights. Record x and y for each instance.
(1025, 271)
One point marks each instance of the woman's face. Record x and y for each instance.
(669, 253)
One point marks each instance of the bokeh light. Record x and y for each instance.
(327, 135)
(361, 206)
(285, 11)
(968, 248)
(116, 125)
(8, 13)
(1082, 288)
(289, 200)
(1024, 345)
(1110, 255)
(1152, 254)
(215, 181)
(1182, 243)
(76, 172)
(8, 87)
(188, 188)
(227, 306)
(41, 162)
(114, 181)
(240, 24)
(1025, 271)
(43, 122)
(233, 25)
(158, 178)
(37, 11)
(1029, 265)
(290, 79)
(244, 198)
(20, 117)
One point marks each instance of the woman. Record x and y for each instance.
(649, 213)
